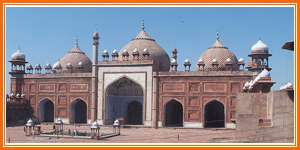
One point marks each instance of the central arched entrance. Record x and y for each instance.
(214, 116)
(124, 99)
(173, 113)
(46, 111)
(78, 111)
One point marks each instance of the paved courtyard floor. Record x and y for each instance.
(134, 134)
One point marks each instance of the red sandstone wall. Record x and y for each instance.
(62, 91)
(194, 92)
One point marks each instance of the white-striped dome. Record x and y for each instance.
(18, 55)
(115, 51)
(260, 46)
(228, 59)
(174, 60)
(57, 65)
(105, 52)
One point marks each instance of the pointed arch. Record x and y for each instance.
(214, 114)
(173, 113)
(78, 111)
(46, 110)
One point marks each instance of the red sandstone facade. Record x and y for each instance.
(136, 86)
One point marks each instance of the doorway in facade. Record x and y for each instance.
(173, 113)
(214, 116)
(124, 99)
(134, 113)
(78, 111)
(46, 111)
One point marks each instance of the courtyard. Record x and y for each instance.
(129, 134)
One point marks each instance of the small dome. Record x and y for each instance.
(264, 73)
(289, 84)
(18, 95)
(241, 59)
(105, 52)
(18, 55)
(12, 94)
(69, 64)
(116, 122)
(228, 59)
(80, 63)
(201, 60)
(29, 65)
(174, 60)
(145, 50)
(29, 123)
(48, 65)
(57, 65)
(59, 120)
(136, 50)
(187, 61)
(22, 95)
(115, 51)
(282, 87)
(96, 34)
(260, 46)
(125, 51)
(38, 65)
(95, 125)
(214, 60)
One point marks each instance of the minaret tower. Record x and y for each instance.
(259, 57)
(95, 77)
(17, 71)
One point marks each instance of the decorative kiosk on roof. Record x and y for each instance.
(259, 57)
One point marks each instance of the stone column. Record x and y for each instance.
(155, 100)
(94, 77)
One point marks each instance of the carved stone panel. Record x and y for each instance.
(79, 87)
(194, 87)
(173, 87)
(193, 114)
(232, 101)
(235, 87)
(193, 101)
(62, 112)
(62, 87)
(32, 87)
(214, 87)
(45, 87)
(62, 100)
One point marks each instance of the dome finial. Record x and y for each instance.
(77, 41)
(19, 48)
(217, 34)
(259, 38)
(143, 27)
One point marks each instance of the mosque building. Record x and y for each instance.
(139, 84)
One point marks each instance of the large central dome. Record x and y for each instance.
(157, 54)
(221, 53)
